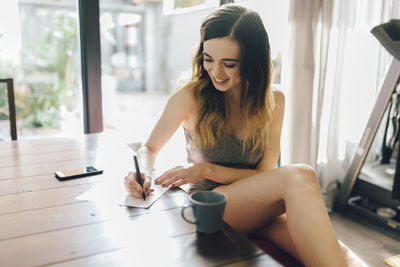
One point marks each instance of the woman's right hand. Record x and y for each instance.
(133, 187)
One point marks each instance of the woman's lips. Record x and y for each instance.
(220, 82)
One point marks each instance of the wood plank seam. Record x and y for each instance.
(81, 257)
(51, 161)
(148, 211)
(52, 188)
(10, 213)
(89, 162)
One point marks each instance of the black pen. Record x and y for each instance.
(139, 177)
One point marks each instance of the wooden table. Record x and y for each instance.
(41, 222)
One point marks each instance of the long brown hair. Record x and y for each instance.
(257, 102)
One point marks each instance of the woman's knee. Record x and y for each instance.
(301, 176)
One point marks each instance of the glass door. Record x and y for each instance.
(39, 50)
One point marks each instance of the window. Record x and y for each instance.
(182, 6)
(44, 63)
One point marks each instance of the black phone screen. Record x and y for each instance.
(77, 173)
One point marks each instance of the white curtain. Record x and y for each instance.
(333, 73)
(299, 144)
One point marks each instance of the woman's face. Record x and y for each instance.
(221, 61)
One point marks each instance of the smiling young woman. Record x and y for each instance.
(233, 121)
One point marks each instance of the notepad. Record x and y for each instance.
(116, 193)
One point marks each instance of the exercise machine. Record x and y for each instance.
(371, 187)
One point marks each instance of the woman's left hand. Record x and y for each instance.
(182, 175)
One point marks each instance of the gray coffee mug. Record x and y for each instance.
(208, 209)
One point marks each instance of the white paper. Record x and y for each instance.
(130, 201)
(116, 193)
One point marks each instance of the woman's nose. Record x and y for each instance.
(217, 71)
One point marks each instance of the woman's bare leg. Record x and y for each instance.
(277, 232)
(256, 200)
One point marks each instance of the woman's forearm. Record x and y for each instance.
(146, 159)
(225, 175)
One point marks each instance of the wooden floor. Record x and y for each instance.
(366, 240)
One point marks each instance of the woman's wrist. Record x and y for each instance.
(205, 169)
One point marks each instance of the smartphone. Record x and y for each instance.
(77, 173)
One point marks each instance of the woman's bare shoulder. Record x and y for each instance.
(279, 96)
(184, 94)
(183, 99)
